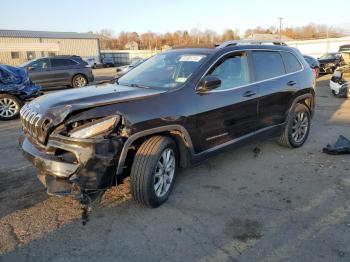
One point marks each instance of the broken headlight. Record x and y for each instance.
(95, 128)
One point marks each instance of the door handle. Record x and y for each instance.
(291, 83)
(249, 93)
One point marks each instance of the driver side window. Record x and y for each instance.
(40, 65)
(233, 71)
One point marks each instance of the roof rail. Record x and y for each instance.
(250, 42)
(67, 56)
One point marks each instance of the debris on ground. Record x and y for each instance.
(342, 146)
(256, 151)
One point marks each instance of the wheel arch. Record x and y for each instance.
(177, 132)
(307, 99)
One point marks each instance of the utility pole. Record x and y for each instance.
(327, 41)
(280, 19)
(198, 30)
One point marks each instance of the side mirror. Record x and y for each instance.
(208, 83)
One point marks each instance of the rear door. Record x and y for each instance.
(63, 68)
(39, 72)
(230, 111)
(277, 83)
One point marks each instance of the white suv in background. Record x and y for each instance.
(340, 81)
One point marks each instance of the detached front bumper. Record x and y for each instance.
(89, 164)
(334, 86)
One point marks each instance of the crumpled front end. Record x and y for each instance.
(81, 152)
(65, 163)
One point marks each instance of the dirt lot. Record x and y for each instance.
(276, 205)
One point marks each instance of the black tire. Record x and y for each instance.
(17, 105)
(79, 80)
(287, 138)
(144, 167)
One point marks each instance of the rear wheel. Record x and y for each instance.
(79, 81)
(297, 128)
(9, 107)
(153, 171)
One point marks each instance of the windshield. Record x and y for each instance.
(167, 70)
(27, 63)
(136, 62)
(327, 56)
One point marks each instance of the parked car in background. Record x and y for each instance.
(340, 81)
(329, 62)
(344, 48)
(175, 109)
(108, 62)
(59, 71)
(314, 64)
(15, 89)
(122, 70)
(91, 61)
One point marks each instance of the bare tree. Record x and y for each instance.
(207, 38)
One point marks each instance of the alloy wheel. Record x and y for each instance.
(8, 107)
(300, 126)
(164, 173)
(79, 81)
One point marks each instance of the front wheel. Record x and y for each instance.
(297, 128)
(153, 171)
(9, 107)
(79, 81)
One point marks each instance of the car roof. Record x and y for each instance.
(59, 56)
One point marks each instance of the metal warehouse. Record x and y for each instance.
(19, 46)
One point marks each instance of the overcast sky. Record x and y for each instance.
(168, 15)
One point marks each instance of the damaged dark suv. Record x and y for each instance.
(173, 110)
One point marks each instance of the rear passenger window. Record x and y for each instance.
(267, 64)
(62, 62)
(291, 62)
(232, 71)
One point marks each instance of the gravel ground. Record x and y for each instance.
(275, 204)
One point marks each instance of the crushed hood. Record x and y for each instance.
(60, 104)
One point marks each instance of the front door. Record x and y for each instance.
(230, 111)
(39, 72)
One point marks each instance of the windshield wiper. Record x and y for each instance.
(136, 85)
(113, 80)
